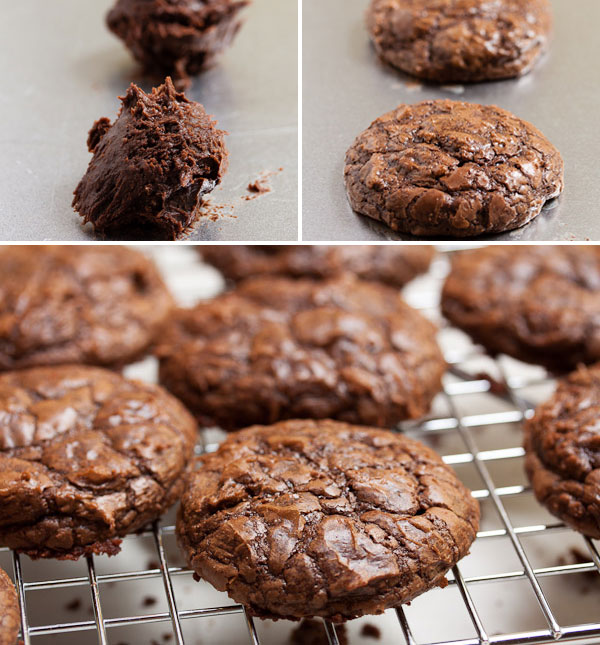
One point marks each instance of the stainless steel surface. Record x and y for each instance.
(520, 584)
(61, 70)
(345, 88)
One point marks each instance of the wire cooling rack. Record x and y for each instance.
(528, 579)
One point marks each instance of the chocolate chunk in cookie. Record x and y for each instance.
(10, 619)
(451, 168)
(86, 457)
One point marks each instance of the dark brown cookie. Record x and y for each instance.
(10, 619)
(540, 304)
(101, 305)
(394, 265)
(151, 167)
(176, 37)
(562, 442)
(281, 349)
(318, 518)
(86, 457)
(460, 41)
(451, 168)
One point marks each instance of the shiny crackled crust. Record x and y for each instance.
(10, 620)
(562, 443)
(540, 304)
(460, 41)
(451, 168)
(78, 304)
(277, 349)
(319, 518)
(86, 457)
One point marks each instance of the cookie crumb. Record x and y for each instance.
(74, 605)
(149, 601)
(370, 631)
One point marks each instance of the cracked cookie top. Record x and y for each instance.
(10, 619)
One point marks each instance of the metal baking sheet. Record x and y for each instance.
(345, 88)
(62, 69)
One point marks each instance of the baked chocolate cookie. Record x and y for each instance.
(278, 349)
(319, 518)
(86, 457)
(452, 168)
(151, 167)
(10, 619)
(394, 265)
(562, 443)
(101, 305)
(460, 41)
(176, 37)
(540, 304)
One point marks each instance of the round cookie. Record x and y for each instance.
(451, 168)
(86, 457)
(394, 265)
(99, 305)
(562, 444)
(278, 349)
(10, 619)
(319, 518)
(460, 41)
(540, 304)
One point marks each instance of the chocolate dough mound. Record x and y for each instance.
(151, 167)
(562, 446)
(460, 41)
(10, 618)
(86, 457)
(276, 348)
(100, 305)
(318, 518)
(452, 168)
(176, 37)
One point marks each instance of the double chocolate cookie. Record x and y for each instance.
(281, 349)
(540, 304)
(460, 41)
(86, 457)
(562, 443)
(10, 619)
(452, 168)
(100, 305)
(393, 265)
(151, 167)
(318, 518)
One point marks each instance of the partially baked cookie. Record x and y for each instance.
(318, 518)
(540, 304)
(10, 619)
(86, 457)
(101, 305)
(277, 349)
(460, 41)
(562, 444)
(393, 264)
(452, 168)
(152, 167)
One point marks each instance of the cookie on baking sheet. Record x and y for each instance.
(540, 304)
(276, 348)
(453, 169)
(392, 264)
(10, 619)
(562, 443)
(86, 457)
(100, 305)
(320, 518)
(460, 41)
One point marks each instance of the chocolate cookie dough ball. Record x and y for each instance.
(318, 518)
(10, 619)
(151, 167)
(452, 168)
(176, 37)
(460, 41)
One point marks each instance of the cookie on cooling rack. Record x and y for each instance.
(540, 304)
(100, 305)
(394, 265)
(10, 619)
(562, 446)
(276, 349)
(320, 518)
(86, 457)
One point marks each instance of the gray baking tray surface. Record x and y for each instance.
(345, 88)
(62, 69)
